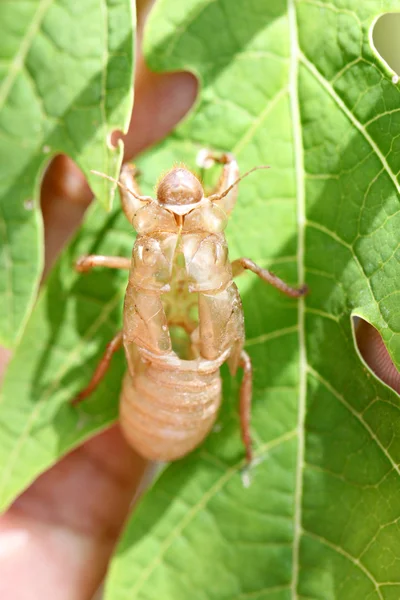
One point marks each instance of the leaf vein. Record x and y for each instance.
(20, 56)
(356, 414)
(203, 501)
(301, 222)
(361, 128)
(349, 557)
(7, 471)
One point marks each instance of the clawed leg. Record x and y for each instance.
(239, 265)
(245, 402)
(101, 368)
(131, 201)
(85, 263)
(230, 173)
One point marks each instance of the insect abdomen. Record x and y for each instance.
(167, 413)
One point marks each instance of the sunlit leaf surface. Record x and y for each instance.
(65, 85)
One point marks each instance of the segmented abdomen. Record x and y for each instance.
(167, 413)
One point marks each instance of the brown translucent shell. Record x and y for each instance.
(179, 187)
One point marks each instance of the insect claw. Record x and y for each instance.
(204, 159)
(303, 290)
(81, 265)
(132, 169)
(246, 477)
(76, 400)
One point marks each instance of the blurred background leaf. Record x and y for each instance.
(66, 84)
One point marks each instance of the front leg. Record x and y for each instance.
(230, 173)
(241, 264)
(85, 263)
(246, 392)
(131, 198)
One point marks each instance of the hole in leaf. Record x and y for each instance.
(386, 39)
(374, 353)
(162, 100)
(114, 137)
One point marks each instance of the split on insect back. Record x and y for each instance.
(181, 282)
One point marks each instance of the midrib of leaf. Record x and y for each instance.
(14, 455)
(205, 498)
(23, 50)
(300, 194)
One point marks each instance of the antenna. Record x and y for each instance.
(142, 198)
(216, 197)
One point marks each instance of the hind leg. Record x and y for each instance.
(85, 263)
(101, 368)
(246, 390)
(241, 264)
(229, 174)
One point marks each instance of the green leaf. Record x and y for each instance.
(65, 85)
(72, 322)
(296, 86)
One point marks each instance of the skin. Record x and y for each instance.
(56, 540)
